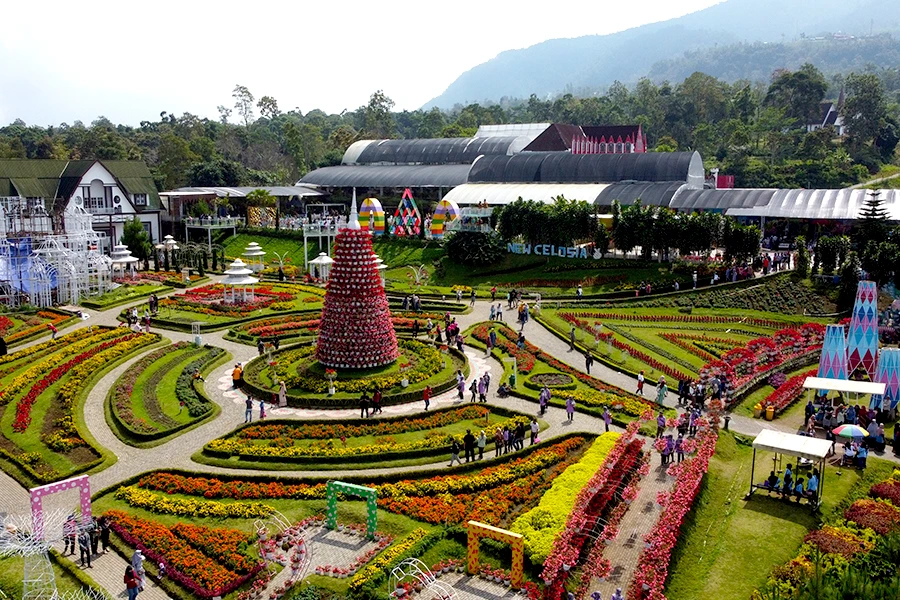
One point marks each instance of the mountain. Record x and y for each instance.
(595, 61)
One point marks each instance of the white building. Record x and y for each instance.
(111, 191)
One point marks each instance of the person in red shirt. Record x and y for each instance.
(131, 583)
(53, 330)
(426, 396)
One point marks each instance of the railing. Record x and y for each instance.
(212, 221)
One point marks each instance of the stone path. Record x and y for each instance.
(176, 453)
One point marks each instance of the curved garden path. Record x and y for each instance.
(176, 453)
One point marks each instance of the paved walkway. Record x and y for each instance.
(176, 453)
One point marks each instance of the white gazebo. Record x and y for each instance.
(323, 262)
(811, 449)
(122, 258)
(238, 276)
(254, 254)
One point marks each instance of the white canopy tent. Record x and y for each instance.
(779, 442)
(846, 386)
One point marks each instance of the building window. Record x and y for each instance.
(148, 228)
(140, 199)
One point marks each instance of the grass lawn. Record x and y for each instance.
(123, 294)
(171, 366)
(291, 249)
(12, 569)
(729, 545)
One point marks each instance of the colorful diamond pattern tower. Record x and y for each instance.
(407, 220)
(833, 363)
(356, 331)
(889, 374)
(862, 339)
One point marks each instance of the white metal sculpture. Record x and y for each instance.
(413, 569)
(41, 266)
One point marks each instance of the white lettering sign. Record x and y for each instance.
(548, 250)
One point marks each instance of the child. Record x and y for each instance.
(162, 570)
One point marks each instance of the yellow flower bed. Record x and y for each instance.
(31, 375)
(241, 447)
(67, 339)
(189, 507)
(375, 568)
(544, 522)
(595, 399)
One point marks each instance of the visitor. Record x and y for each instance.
(861, 455)
(469, 445)
(376, 401)
(415, 329)
(459, 342)
(131, 583)
(507, 436)
(487, 383)
(588, 361)
(53, 330)
(262, 410)
(661, 390)
(472, 302)
(3, 347)
(248, 412)
(572, 339)
(70, 534)
(260, 346)
(492, 337)
(667, 449)
(438, 338)
(103, 524)
(660, 425)
(473, 388)
(520, 341)
(137, 563)
(544, 399)
(520, 436)
(596, 596)
(812, 486)
(84, 548)
(197, 376)
(640, 385)
(570, 408)
(482, 441)
(679, 447)
(459, 294)
(896, 440)
(236, 376)
(498, 442)
(579, 293)
(282, 394)
(503, 390)
(493, 294)
(161, 566)
(607, 418)
(772, 481)
(482, 388)
(798, 489)
(461, 389)
(618, 595)
(493, 312)
(426, 396)
(535, 428)
(809, 410)
(454, 452)
(364, 406)
(499, 311)
(95, 536)
(692, 422)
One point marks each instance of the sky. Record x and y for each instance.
(128, 61)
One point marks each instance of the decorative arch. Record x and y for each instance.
(407, 219)
(370, 495)
(446, 211)
(82, 482)
(479, 530)
(371, 216)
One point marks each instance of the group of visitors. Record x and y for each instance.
(693, 393)
(505, 440)
(479, 387)
(824, 414)
(661, 388)
(788, 487)
(132, 321)
(263, 346)
(370, 406)
(411, 303)
(248, 410)
(773, 261)
(88, 537)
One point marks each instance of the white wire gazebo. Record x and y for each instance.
(237, 276)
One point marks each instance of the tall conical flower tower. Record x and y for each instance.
(356, 330)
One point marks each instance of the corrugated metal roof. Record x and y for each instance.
(281, 191)
(442, 151)
(389, 176)
(820, 204)
(650, 194)
(505, 193)
(689, 200)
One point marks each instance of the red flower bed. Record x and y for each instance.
(653, 565)
(887, 490)
(680, 341)
(788, 392)
(569, 316)
(5, 325)
(833, 541)
(201, 575)
(881, 516)
(23, 406)
(593, 499)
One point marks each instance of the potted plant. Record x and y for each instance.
(330, 374)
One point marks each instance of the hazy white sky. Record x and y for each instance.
(67, 61)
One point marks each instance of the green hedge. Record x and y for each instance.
(92, 304)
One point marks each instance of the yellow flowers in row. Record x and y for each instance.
(31, 375)
(544, 522)
(67, 339)
(376, 567)
(189, 507)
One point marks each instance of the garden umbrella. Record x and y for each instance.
(850, 431)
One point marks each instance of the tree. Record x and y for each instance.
(741, 241)
(602, 240)
(849, 282)
(798, 93)
(136, 238)
(378, 120)
(268, 107)
(474, 248)
(243, 103)
(175, 158)
(872, 224)
(865, 107)
(224, 113)
(216, 173)
(801, 269)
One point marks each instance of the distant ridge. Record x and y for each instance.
(596, 61)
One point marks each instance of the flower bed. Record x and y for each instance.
(575, 317)
(374, 571)
(880, 515)
(653, 564)
(552, 379)
(189, 507)
(788, 392)
(196, 557)
(49, 316)
(596, 497)
(544, 522)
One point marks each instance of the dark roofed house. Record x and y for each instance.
(829, 116)
(112, 191)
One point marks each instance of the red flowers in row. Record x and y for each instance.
(788, 392)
